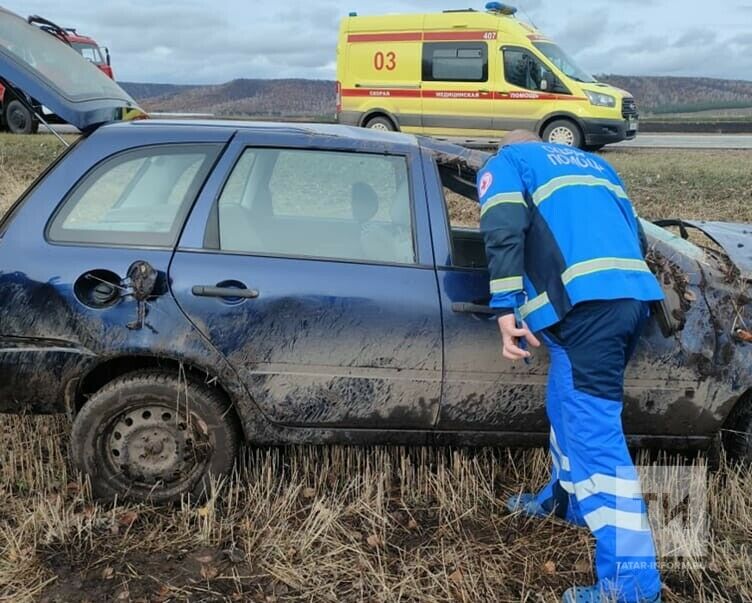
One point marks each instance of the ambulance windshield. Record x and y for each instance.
(559, 58)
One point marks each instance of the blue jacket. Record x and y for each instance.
(559, 230)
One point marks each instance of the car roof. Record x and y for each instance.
(315, 129)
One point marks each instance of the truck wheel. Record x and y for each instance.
(563, 131)
(151, 437)
(19, 119)
(380, 123)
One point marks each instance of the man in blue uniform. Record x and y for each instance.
(566, 256)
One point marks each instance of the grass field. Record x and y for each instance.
(341, 524)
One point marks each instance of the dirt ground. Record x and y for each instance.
(343, 524)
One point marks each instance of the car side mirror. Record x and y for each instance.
(549, 82)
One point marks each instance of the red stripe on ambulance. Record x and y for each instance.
(451, 36)
(413, 36)
(455, 94)
(383, 92)
(419, 36)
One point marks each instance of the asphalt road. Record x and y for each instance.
(689, 141)
(657, 141)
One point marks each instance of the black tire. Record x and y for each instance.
(563, 131)
(738, 436)
(380, 123)
(19, 119)
(184, 426)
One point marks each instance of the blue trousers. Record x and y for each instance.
(593, 480)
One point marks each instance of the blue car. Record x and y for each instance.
(181, 288)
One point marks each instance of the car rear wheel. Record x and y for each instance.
(19, 119)
(380, 123)
(152, 437)
(563, 131)
(738, 436)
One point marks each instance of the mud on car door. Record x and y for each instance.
(312, 273)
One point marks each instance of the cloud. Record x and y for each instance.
(211, 41)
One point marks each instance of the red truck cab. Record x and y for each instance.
(84, 45)
(91, 51)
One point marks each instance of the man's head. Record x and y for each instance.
(518, 136)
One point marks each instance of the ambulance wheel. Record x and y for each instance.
(19, 119)
(563, 131)
(380, 123)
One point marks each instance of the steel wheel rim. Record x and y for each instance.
(379, 126)
(562, 135)
(151, 445)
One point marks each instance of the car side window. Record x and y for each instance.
(525, 70)
(138, 197)
(319, 204)
(455, 62)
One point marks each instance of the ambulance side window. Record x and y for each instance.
(525, 70)
(455, 62)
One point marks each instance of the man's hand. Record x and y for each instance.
(510, 336)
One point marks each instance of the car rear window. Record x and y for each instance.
(318, 204)
(48, 58)
(139, 197)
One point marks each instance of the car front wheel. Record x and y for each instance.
(152, 437)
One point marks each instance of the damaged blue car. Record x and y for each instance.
(179, 289)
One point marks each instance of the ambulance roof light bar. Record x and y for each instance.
(500, 8)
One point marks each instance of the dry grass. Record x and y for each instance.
(322, 524)
(689, 184)
(342, 524)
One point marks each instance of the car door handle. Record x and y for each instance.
(467, 308)
(210, 291)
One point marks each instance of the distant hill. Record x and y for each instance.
(312, 98)
(661, 95)
(242, 97)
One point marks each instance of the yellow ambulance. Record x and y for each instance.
(472, 75)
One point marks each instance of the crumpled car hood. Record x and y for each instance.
(735, 239)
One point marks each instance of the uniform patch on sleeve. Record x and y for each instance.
(485, 183)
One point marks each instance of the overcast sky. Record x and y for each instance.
(202, 41)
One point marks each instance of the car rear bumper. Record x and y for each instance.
(35, 372)
(606, 131)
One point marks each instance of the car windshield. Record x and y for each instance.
(56, 63)
(567, 66)
(90, 52)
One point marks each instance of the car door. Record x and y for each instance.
(522, 90)
(312, 272)
(484, 392)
